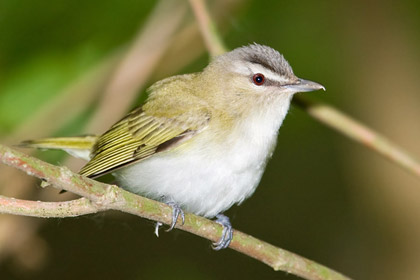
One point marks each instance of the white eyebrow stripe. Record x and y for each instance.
(249, 68)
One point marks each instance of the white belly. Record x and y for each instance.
(207, 178)
(202, 184)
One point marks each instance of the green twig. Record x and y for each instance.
(41, 209)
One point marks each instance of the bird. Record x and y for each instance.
(201, 141)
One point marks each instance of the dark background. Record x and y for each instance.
(322, 196)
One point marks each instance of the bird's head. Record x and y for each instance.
(253, 73)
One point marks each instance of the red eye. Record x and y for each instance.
(258, 79)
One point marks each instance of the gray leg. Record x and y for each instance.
(176, 212)
(227, 233)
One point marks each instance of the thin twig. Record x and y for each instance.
(138, 63)
(41, 209)
(213, 41)
(73, 100)
(359, 132)
(104, 197)
(324, 113)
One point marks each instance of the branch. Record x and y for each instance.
(72, 208)
(138, 63)
(98, 196)
(359, 132)
(324, 113)
(213, 41)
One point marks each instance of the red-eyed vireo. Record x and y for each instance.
(201, 141)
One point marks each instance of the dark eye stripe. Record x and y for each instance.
(267, 82)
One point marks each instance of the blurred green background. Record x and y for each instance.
(63, 71)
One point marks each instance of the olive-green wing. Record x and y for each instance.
(136, 137)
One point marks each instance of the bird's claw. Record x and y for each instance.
(227, 233)
(176, 212)
(158, 224)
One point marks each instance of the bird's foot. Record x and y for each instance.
(227, 233)
(176, 212)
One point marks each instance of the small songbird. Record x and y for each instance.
(201, 141)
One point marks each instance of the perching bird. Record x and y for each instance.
(201, 141)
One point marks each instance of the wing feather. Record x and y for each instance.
(136, 137)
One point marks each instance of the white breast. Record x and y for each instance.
(209, 178)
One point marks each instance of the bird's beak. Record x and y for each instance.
(304, 85)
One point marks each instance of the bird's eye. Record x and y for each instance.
(258, 79)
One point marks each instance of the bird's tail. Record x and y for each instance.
(79, 146)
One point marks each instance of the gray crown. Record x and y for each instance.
(265, 56)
